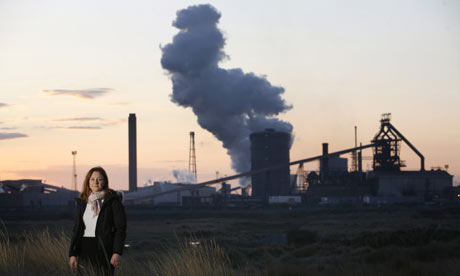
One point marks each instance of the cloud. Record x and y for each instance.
(85, 93)
(170, 161)
(119, 104)
(84, 127)
(8, 128)
(77, 127)
(115, 122)
(6, 136)
(104, 122)
(101, 122)
(80, 119)
(4, 105)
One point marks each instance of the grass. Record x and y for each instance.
(34, 254)
(208, 259)
(328, 241)
(45, 253)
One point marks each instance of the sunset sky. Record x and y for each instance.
(72, 71)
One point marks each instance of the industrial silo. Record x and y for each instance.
(270, 148)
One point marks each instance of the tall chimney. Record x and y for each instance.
(324, 165)
(132, 153)
(360, 159)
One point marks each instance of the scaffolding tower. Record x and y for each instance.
(354, 154)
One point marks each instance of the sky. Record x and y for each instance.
(72, 71)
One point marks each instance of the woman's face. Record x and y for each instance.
(96, 182)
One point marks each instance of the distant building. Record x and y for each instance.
(411, 183)
(338, 165)
(32, 193)
(289, 200)
(270, 148)
(149, 194)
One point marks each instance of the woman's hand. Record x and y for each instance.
(115, 260)
(73, 262)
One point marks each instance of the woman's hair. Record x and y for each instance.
(86, 191)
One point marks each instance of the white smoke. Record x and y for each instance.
(184, 176)
(230, 104)
(148, 182)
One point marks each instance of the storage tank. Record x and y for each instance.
(270, 148)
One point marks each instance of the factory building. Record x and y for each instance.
(31, 193)
(271, 179)
(435, 183)
(158, 194)
(270, 170)
(270, 148)
(332, 168)
(338, 165)
(387, 178)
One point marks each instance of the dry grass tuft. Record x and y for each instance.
(205, 259)
(45, 253)
(11, 258)
(35, 254)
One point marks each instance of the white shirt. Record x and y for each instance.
(90, 222)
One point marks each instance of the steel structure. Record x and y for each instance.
(354, 154)
(259, 171)
(388, 146)
(192, 156)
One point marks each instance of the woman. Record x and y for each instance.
(100, 225)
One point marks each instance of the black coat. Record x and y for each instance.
(110, 226)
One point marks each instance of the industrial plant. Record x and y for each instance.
(272, 183)
(333, 183)
(34, 194)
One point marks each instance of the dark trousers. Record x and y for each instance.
(92, 258)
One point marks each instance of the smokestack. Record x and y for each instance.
(132, 153)
(229, 103)
(324, 167)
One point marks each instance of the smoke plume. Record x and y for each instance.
(184, 176)
(231, 104)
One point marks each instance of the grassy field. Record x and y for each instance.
(391, 240)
